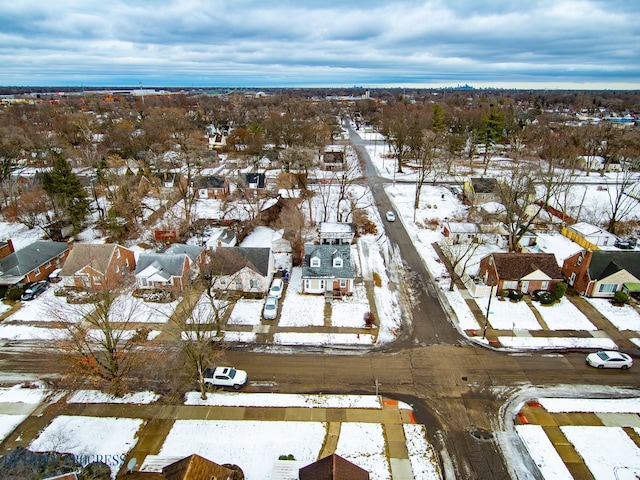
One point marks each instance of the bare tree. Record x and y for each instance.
(100, 342)
(621, 204)
(459, 255)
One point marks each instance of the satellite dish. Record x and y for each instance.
(131, 464)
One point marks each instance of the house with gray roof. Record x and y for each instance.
(32, 263)
(327, 270)
(601, 273)
(94, 266)
(170, 270)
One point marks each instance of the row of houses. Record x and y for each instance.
(327, 266)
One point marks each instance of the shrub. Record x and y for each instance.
(561, 289)
(14, 293)
(504, 293)
(286, 457)
(620, 297)
(515, 295)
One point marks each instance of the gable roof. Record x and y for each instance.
(255, 258)
(163, 264)
(485, 185)
(16, 265)
(514, 266)
(195, 467)
(326, 254)
(607, 262)
(95, 255)
(193, 251)
(211, 181)
(333, 467)
(256, 178)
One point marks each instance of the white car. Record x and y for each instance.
(270, 308)
(225, 377)
(391, 217)
(609, 359)
(276, 288)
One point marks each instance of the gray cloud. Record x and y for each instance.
(271, 43)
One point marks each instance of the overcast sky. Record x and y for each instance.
(483, 43)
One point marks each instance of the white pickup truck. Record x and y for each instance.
(225, 377)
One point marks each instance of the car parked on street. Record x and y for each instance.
(276, 288)
(270, 308)
(609, 359)
(34, 290)
(225, 377)
(391, 217)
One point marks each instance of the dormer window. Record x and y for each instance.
(337, 262)
(315, 261)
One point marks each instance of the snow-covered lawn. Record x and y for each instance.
(94, 396)
(422, 455)
(298, 309)
(32, 394)
(563, 315)
(127, 308)
(90, 439)
(246, 312)
(350, 311)
(524, 343)
(50, 308)
(232, 399)
(507, 315)
(363, 444)
(609, 463)
(319, 339)
(623, 318)
(253, 446)
(8, 423)
(464, 316)
(543, 453)
(29, 332)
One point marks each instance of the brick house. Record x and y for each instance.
(32, 263)
(521, 271)
(212, 186)
(94, 266)
(601, 273)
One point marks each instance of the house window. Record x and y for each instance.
(306, 284)
(117, 268)
(321, 283)
(223, 281)
(239, 284)
(544, 285)
(117, 253)
(572, 279)
(343, 283)
(37, 271)
(48, 264)
(126, 262)
(337, 262)
(253, 283)
(608, 287)
(510, 284)
(96, 280)
(579, 260)
(315, 262)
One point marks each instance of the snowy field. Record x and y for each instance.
(624, 318)
(563, 315)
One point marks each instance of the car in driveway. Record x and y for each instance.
(270, 308)
(609, 359)
(225, 377)
(391, 217)
(34, 290)
(276, 288)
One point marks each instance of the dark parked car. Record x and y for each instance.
(34, 290)
(543, 296)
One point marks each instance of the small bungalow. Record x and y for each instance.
(521, 271)
(327, 270)
(256, 184)
(461, 232)
(602, 273)
(243, 269)
(170, 270)
(481, 190)
(333, 158)
(93, 266)
(32, 263)
(212, 186)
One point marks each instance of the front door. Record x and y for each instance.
(524, 288)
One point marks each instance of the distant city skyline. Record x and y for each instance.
(539, 44)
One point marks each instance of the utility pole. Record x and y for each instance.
(486, 321)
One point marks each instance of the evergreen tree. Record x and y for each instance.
(66, 192)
